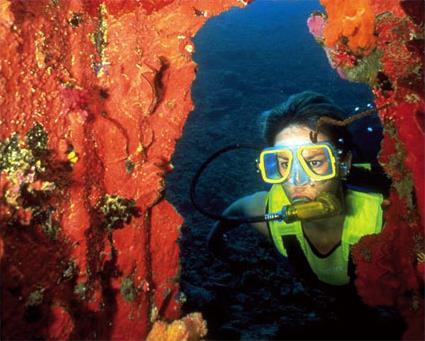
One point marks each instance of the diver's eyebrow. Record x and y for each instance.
(313, 155)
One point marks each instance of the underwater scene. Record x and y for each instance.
(250, 61)
(212, 170)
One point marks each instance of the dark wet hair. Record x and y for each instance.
(305, 109)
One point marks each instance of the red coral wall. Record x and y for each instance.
(98, 93)
(382, 43)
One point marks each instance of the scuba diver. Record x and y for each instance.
(312, 215)
(317, 207)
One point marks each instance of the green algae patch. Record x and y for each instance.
(35, 298)
(405, 184)
(128, 290)
(37, 139)
(366, 69)
(81, 290)
(116, 211)
(14, 156)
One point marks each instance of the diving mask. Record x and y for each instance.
(298, 164)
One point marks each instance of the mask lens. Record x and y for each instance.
(283, 158)
(318, 160)
(277, 165)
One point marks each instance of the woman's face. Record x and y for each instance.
(295, 187)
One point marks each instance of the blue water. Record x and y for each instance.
(250, 60)
(257, 56)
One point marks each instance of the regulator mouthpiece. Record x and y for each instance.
(325, 205)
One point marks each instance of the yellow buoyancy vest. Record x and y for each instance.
(363, 217)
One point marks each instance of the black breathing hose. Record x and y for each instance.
(325, 204)
(194, 182)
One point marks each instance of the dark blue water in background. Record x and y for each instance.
(250, 60)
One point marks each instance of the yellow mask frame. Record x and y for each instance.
(299, 165)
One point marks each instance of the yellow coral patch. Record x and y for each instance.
(72, 157)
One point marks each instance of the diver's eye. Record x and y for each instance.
(315, 163)
(283, 164)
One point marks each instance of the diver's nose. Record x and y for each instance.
(300, 178)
